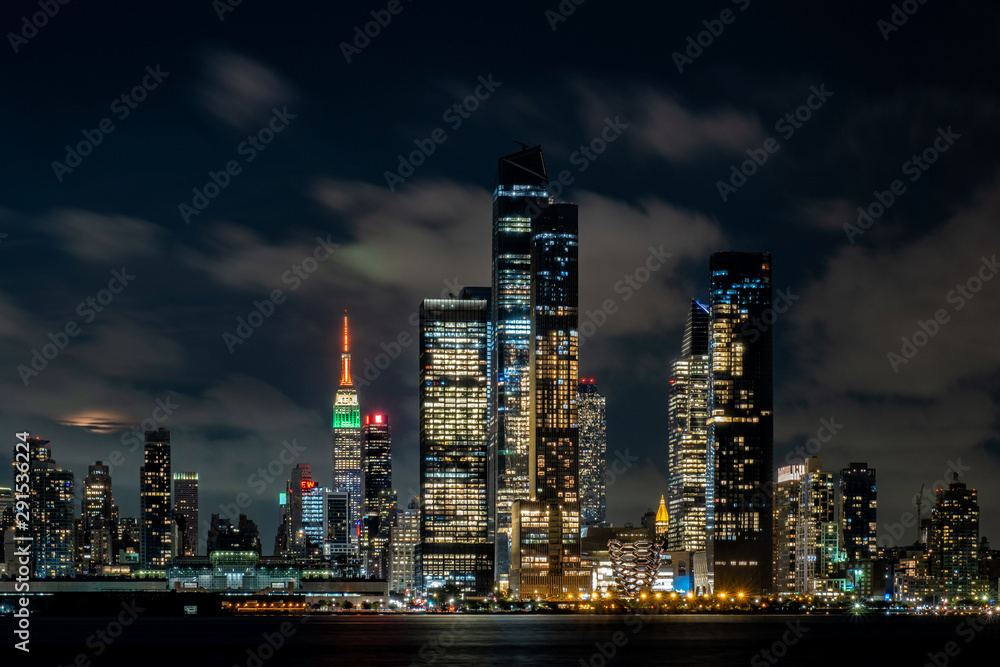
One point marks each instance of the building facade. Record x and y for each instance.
(859, 511)
(376, 491)
(454, 471)
(155, 502)
(953, 542)
(521, 190)
(741, 430)
(53, 514)
(546, 553)
(592, 409)
(347, 434)
(687, 439)
(405, 551)
(98, 514)
(186, 505)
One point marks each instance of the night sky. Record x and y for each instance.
(216, 88)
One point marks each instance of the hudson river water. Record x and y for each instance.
(446, 640)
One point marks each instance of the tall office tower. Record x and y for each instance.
(859, 511)
(186, 505)
(340, 547)
(953, 544)
(593, 455)
(376, 488)
(741, 430)
(129, 542)
(99, 529)
(53, 514)
(521, 190)
(786, 519)
(347, 435)
(545, 537)
(155, 500)
(404, 575)
(687, 436)
(454, 479)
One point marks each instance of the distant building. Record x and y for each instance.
(53, 514)
(347, 434)
(859, 511)
(100, 531)
(186, 505)
(953, 547)
(687, 436)
(224, 536)
(593, 455)
(405, 553)
(662, 520)
(156, 516)
(378, 501)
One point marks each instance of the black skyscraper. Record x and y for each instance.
(741, 434)
(858, 511)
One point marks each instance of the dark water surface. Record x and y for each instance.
(445, 640)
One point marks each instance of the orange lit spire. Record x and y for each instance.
(345, 361)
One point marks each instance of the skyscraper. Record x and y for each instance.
(376, 485)
(786, 521)
(155, 500)
(593, 455)
(186, 505)
(347, 434)
(521, 189)
(99, 529)
(53, 512)
(741, 431)
(687, 439)
(953, 542)
(859, 511)
(545, 537)
(454, 480)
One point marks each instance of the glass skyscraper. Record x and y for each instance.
(521, 191)
(545, 536)
(98, 510)
(347, 434)
(53, 512)
(741, 431)
(593, 455)
(155, 500)
(454, 470)
(687, 439)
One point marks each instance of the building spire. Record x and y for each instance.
(345, 360)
